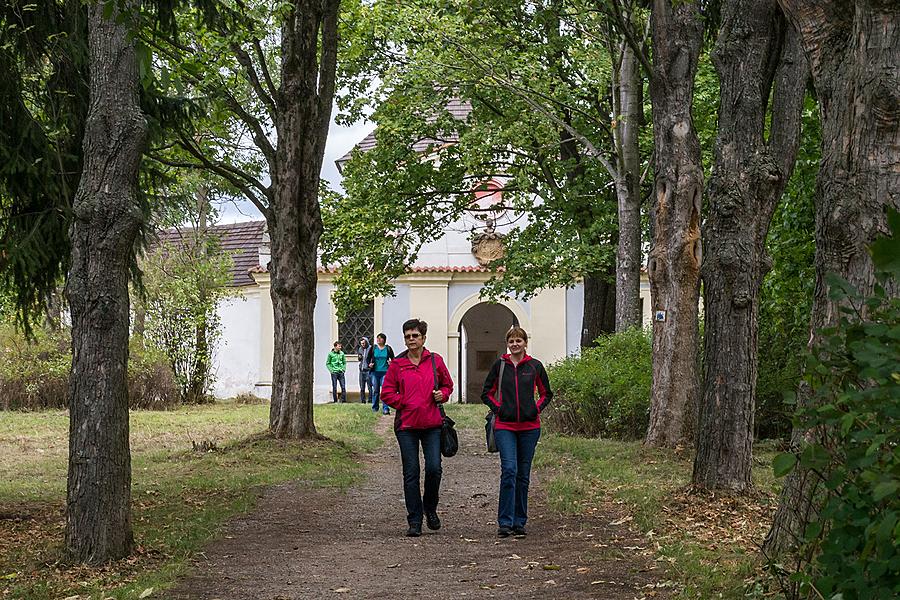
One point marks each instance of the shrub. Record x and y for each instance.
(151, 382)
(853, 543)
(606, 390)
(34, 375)
(183, 285)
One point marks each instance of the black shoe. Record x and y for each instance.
(414, 530)
(519, 531)
(433, 521)
(503, 531)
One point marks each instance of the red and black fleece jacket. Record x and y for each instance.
(514, 400)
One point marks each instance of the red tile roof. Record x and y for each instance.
(458, 109)
(434, 269)
(240, 240)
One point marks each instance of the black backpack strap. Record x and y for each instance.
(437, 385)
(434, 370)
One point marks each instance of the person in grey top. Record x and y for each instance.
(364, 356)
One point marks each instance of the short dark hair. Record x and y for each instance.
(336, 344)
(416, 324)
(516, 331)
(382, 336)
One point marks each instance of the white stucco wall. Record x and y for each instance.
(394, 311)
(326, 333)
(236, 357)
(574, 312)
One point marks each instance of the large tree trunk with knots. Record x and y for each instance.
(106, 221)
(853, 50)
(309, 55)
(757, 54)
(675, 253)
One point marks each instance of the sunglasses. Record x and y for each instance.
(411, 336)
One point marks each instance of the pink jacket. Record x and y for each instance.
(408, 388)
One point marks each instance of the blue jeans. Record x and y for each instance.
(409, 440)
(377, 380)
(365, 381)
(335, 379)
(516, 453)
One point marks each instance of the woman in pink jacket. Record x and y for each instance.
(417, 382)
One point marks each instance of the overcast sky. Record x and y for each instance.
(340, 140)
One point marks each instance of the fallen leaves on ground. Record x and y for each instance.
(714, 520)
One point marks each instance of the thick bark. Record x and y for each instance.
(853, 51)
(628, 193)
(106, 220)
(598, 316)
(748, 179)
(309, 49)
(674, 262)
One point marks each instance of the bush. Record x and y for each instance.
(151, 382)
(853, 543)
(606, 390)
(34, 375)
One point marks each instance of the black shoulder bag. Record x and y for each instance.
(491, 417)
(449, 439)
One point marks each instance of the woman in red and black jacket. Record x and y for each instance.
(517, 390)
(416, 384)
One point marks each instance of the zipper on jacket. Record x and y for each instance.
(518, 404)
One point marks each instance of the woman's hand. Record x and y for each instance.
(438, 396)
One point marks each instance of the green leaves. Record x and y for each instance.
(855, 412)
(532, 75)
(886, 251)
(783, 464)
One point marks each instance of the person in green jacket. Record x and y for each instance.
(337, 364)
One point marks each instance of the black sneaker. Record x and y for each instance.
(503, 531)
(433, 521)
(519, 531)
(414, 530)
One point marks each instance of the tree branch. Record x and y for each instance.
(787, 103)
(328, 63)
(625, 29)
(253, 77)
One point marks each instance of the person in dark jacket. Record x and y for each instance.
(363, 354)
(416, 384)
(379, 359)
(517, 401)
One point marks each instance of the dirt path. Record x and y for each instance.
(301, 543)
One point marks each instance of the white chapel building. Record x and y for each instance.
(442, 288)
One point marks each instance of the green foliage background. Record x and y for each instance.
(605, 391)
(852, 547)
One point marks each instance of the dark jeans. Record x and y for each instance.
(365, 380)
(409, 440)
(516, 453)
(335, 379)
(377, 380)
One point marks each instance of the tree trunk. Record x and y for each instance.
(106, 221)
(598, 316)
(628, 193)
(308, 59)
(674, 262)
(853, 50)
(202, 359)
(748, 178)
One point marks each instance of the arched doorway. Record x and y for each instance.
(482, 334)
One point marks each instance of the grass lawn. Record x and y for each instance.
(707, 542)
(180, 496)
